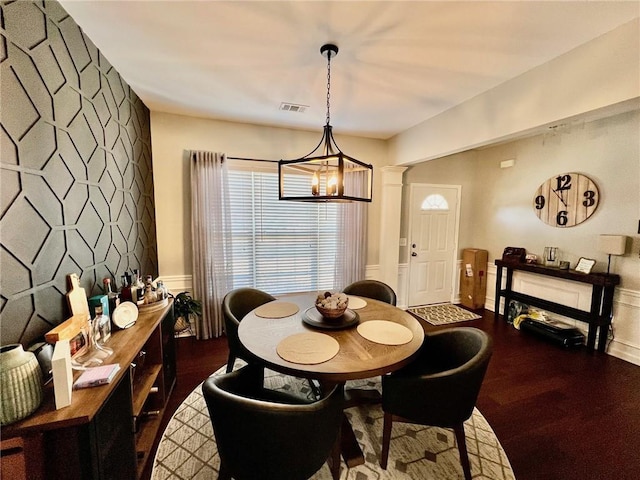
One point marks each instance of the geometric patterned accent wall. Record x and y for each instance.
(76, 191)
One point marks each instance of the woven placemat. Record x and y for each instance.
(308, 348)
(385, 332)
(356, 302)
(277, 309)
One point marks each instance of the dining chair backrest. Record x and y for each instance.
(440, 388)
(267, 434)
(235, 305)
(372, 289)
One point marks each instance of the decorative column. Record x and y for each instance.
(390, 213)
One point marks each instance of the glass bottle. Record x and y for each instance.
(96, 351)
(161, 291)
(137, 287)
(101, 328)
(149, 295)
(113, 297)
(125, 291)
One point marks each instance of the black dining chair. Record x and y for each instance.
(372, 289)
(378, 291)
(271, 435)
(235, 305)
(440, 387)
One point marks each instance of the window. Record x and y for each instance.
(280, 246)
(435, 202)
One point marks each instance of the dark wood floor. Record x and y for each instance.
(559, 414)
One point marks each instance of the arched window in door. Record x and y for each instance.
(435, 202)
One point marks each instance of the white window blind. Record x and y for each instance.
(280, 246)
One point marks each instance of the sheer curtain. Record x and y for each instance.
(211, 237)
(353, 220)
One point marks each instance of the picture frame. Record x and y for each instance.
(585, 265)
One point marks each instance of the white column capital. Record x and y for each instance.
(392, 175)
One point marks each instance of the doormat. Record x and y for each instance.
(443, 314)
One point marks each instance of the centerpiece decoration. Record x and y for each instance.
(332, 305)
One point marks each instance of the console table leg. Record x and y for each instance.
(496, 309)
(591, 336)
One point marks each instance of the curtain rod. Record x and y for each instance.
(252, 159)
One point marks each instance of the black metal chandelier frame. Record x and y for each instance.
(326, 160)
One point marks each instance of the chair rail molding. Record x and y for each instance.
(177, 283)
(626, 303)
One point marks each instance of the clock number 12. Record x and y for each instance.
(563, 182)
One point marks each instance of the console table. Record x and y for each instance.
(599, 316)
(108, 431)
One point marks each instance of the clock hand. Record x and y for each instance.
(559, 196)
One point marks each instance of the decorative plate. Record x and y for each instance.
(125, 315)
(313, 318)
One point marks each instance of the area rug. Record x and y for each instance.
(187, 449)
(443, 314)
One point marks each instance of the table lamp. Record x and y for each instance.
(612, 245)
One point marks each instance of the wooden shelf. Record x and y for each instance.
(147, 431)
(142, 384)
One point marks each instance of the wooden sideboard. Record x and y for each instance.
(599, 316)
(108, 431)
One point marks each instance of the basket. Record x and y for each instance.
(331, 312)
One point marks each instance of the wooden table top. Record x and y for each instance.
(357, 356)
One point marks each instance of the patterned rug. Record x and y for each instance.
(188, 450)
(443, 314)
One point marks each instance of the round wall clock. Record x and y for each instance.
(566, 200)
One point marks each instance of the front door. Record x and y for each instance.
(433, 239)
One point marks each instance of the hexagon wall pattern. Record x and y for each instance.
(76, 187)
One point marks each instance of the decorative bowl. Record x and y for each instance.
(332, 305)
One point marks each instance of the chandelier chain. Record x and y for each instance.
(328, 87)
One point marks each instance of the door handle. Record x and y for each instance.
(414, 254)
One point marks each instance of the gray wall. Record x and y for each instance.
(75, 165)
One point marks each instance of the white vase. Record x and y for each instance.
(20, 384)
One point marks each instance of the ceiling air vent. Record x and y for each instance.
(293, 107)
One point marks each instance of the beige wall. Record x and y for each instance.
(497, 204)
(173, 135)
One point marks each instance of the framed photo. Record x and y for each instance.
(585, 265)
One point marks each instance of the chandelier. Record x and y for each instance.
(326, 174)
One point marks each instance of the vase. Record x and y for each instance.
(20, 384)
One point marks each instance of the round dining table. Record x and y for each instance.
(356, 358)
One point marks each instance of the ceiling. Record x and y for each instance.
(400, 62)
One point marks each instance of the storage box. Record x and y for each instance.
(99, 300)
(473, 278)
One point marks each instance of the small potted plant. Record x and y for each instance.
(185, 306)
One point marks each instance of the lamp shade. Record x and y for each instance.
(612, 244)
